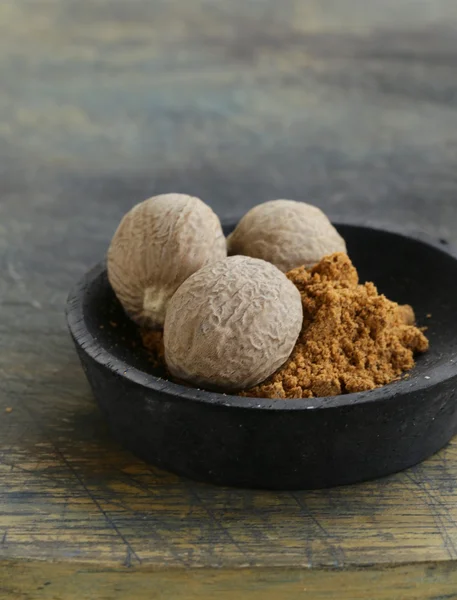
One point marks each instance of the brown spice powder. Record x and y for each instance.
(352, 339)
(153, 342)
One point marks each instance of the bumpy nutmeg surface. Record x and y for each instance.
(232, 324)
(286, 233)
(157, 246)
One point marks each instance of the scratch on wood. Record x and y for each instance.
(336, 551)
(429, 500)
(100, 508)
(162, 541)
(215, 519)
(82, 483)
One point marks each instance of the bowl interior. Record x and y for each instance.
(406, 270)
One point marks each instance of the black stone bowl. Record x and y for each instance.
(284, 444)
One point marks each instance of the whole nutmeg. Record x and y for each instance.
(286, 233)
(232, 324)
(157, 246)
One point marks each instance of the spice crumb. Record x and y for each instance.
(153, 341)
(8, 409)
(428, 316)
(113, 324)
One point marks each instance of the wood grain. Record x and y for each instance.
(85, 582)
(347, 103)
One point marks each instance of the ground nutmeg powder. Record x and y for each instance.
(352, 339)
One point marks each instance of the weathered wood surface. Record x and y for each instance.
(348, 103)
(86, 582)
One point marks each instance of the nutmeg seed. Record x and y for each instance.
(232, 324)
(287, 233)
(157, 246)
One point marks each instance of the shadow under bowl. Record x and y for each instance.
(284, 444)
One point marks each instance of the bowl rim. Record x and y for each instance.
(102, 356)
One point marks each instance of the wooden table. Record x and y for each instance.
(347, 103)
